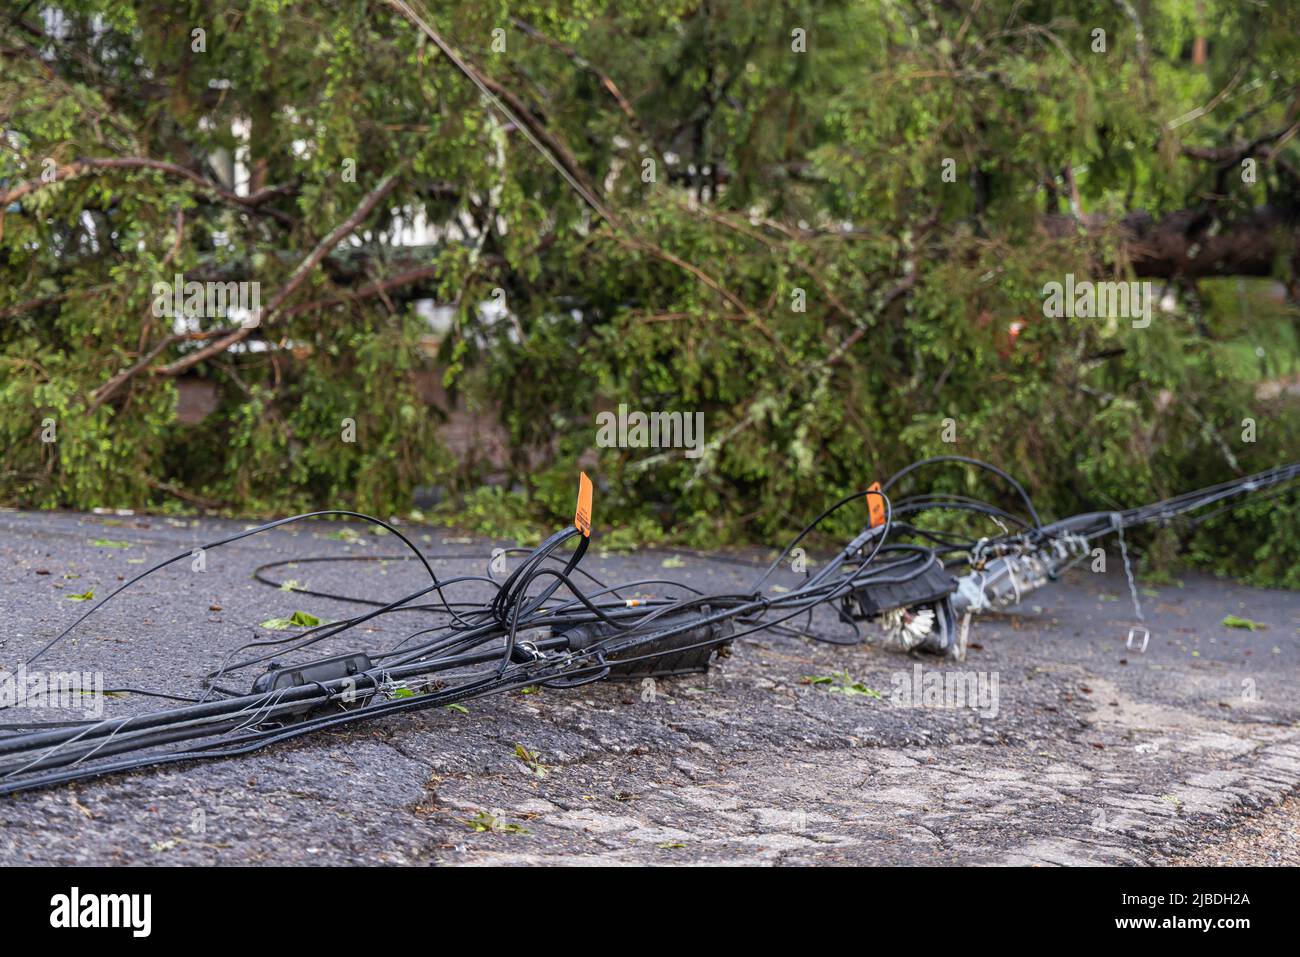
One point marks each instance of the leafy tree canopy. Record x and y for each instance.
(827, 226)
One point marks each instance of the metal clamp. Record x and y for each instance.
(1133, 633)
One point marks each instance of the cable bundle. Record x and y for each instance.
(916, 582)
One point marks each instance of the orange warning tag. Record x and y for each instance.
(582, 517)
(876, 505)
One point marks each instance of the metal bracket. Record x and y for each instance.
(1133, 633)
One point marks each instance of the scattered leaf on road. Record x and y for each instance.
(1236, 621)
(299, 619)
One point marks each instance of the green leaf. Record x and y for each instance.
(532, 759)
(483, 822)
(299, 619)
(1236, 621)
(84, 596)
(842, 683)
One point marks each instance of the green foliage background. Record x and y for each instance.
(776, 171)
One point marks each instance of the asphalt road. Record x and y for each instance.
(1090, 753)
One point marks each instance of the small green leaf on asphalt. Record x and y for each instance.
(299, 619)
(673, 562)
(533, 759)
(110, 543)
(457, 707)
(403, 693)
(841, 683)
(1236, 621)
(483, 821)
(84, 596)
(292, 585)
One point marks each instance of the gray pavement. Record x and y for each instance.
(1093, 753)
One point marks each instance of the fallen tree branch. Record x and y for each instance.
(1266, 146)
(894, 293)
(296, 279)
(184, 496)
(515, 110)
(558, 153)
(114, 385)
(658, 252)
(228, 337)
(8, 312)
(409, 277)
(84, 166)
(604, 78)
(1192, 243)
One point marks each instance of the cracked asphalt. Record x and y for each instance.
(1090, 753)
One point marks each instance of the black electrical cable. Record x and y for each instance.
(478, 650)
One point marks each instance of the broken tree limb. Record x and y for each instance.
(605, 80)
(86, 165)
(114, 385)
(1193, 243)
(296, 279)
(228, 337)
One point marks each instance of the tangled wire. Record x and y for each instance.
(550, 623)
